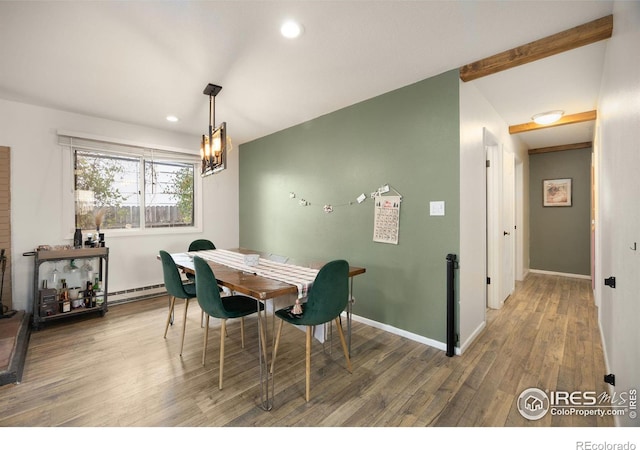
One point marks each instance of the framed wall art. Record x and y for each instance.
(556, 192)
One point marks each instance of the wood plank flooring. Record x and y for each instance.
(119, 371)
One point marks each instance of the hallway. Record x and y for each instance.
(545, 336)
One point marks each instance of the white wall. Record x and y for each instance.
(36, 196)
(476, 114)
(618, 215)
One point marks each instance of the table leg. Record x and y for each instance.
(266, 378)
(349, 311)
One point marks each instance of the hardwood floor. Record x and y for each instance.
(119, 371)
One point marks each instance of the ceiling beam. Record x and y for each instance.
(585, 34)
(565, 120)
(560, 148)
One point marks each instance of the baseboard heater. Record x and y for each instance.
(451, 297)
(140, 293)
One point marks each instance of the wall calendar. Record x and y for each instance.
(386, 219)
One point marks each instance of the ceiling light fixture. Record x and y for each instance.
(291, 29)
(213, 149)
(172, 118)
(548, 117)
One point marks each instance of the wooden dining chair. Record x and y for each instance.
(223, 308)
(327, 299)
(176, 289)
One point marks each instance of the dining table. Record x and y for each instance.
(264, 277)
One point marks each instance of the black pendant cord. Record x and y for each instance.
(212, 90)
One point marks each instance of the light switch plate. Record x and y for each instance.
(436, 208)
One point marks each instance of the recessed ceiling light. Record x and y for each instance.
(548, 117)
(172, 118)
(291, 29)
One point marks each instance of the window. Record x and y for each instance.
(121, 187)
(168, 194)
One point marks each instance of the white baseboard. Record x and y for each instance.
(141, 293)
(561, 274)
(407, 334)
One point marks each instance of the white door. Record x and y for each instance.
(500, 222)
(508, 226)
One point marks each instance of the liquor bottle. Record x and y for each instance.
(97, 290)
(77, 238)
(64, 296)
(89, 295)
(66, 305)
(100, 294)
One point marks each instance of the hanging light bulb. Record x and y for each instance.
(217, 145)
(207, 148)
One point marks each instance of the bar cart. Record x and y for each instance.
(69, 282)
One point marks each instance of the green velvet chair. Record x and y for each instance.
(223, 308)
(176, 289)
(327, 299)
(195, 246)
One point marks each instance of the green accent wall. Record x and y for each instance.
(560, 236)
(408, 138)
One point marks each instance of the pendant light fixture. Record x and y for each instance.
(213, 149)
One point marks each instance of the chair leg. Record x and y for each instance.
(201, 318)
(308, 364)
(206, 339)
(173, 301)
(223, 328)
(275, 345)
(242, 331)
(184, 323)
(344, 344)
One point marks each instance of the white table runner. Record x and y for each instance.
(301, 277)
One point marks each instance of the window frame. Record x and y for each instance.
(69, 141)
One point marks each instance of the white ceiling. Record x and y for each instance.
(138, 61)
